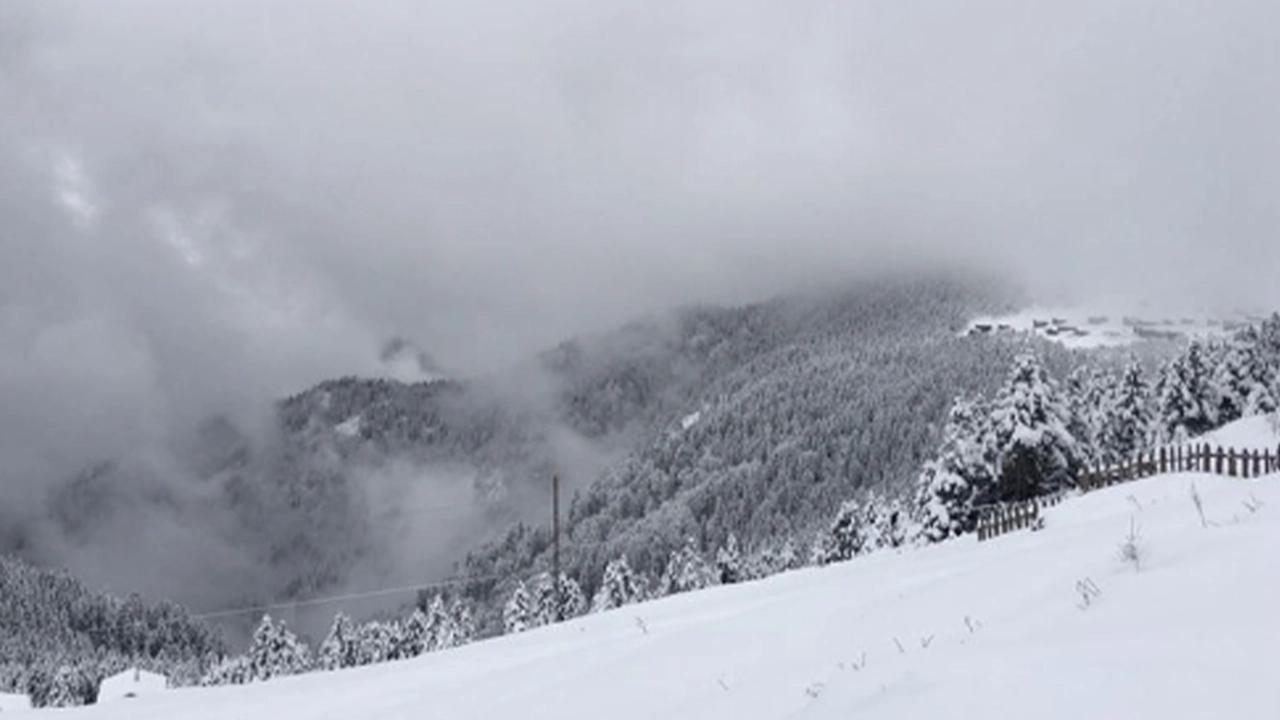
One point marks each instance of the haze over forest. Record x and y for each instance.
(207, 207)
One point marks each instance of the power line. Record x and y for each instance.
(342, 598)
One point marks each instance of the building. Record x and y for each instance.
(131, 683)
(10, 702)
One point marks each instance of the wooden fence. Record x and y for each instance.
(1183, 458)
(999, 519)
(1006, 517)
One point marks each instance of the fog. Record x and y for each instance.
(208, 205)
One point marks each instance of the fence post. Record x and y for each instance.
(1231, 462)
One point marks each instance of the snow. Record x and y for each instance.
(10, 702)
(349, 427)
(961, 629)
(1259, 432)
(690, 420)
(131, 684)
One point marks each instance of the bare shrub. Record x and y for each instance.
(1132, 549)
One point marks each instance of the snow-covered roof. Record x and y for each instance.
(131, 683)
(10, 702)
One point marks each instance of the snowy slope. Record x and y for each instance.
(1194, 634)
(1258, 432)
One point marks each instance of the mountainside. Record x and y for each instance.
(1049, 624)
(754, 420)
(851, 401)
(58, 638)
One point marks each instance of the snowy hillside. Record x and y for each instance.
(1049, 624)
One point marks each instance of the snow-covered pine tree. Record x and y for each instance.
(71, 686)
(890, 523)
(572, 600)
(275, 651)
(235, 670)
(619, 586)
(729, 562)
(377, 641)
(1187, 397)
(517, 615)
(414, 635)
(844, 538)
(463, 621)
(1087, 392)
(340, 646)
(441, 630)
(1036, 452)
(686, 570)
(960, 477)
(1127, 423)
(1244, 377)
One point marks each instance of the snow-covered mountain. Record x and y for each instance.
(378, 481)
(1044, 624)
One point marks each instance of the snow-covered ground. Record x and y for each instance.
(1259, 432)
(1077, 327)
(999, 629)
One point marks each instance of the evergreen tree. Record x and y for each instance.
(1127, 424)
(71, 686)
(1244, 377)
(729, 562)
(960, 477)
(340, 648)
(275, 651)
(619, 586)
(1036, 452)
(1187, 397)
(886, 522)
(442, 631)
(463, 621)
(517, 616)
(572, 600)
(377, 641)
(686, 570)
(845, 537)
(1087, 394)
(414, 636)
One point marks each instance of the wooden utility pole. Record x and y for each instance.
(555, 544)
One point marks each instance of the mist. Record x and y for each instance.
(207, 206)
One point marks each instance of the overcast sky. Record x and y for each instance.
(208, 202)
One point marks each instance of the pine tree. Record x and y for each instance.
(729, 562)
(414, 636)
(463, 621)
(619, 586)
(572, 600)
(517, 616)
(377, 641)
(960, 477)
(888, 523)
(1244, 377)
(1187, 398)
(442, 631)
(686, 570)
(845, 538)
(1087, 393)
(1036, 453)
(1127, 423)
(340, 648)
(71, 686)
(275, 651)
